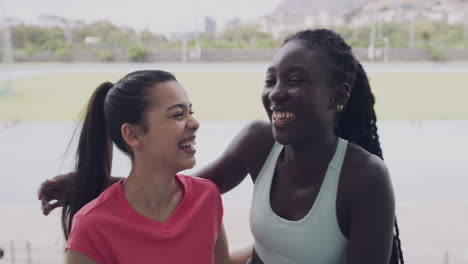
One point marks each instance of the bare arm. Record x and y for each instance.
(245, 154)
(372, 216)
(222, 251)
(53, 193)
(242, 255)
(73, 257)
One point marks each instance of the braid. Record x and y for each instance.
(397, 253)
(357, 122)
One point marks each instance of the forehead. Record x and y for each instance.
(295, 55)
(168, 93)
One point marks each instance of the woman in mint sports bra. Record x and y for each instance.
(322, 192)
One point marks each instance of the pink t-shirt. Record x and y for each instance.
(109, 230)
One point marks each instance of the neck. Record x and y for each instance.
(151, 190)
(316, 144)
(312, 155)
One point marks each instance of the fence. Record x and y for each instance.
(235, 55)
(27, 252)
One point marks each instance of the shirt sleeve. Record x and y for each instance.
(81, 239)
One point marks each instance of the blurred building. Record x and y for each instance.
(293, 15)
(210, 25)
(233, 23)
(401, 11)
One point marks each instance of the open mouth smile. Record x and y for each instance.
(187, 144)
(281, 119)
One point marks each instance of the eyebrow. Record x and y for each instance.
(296, 68)
(177, 105)
(289, 69)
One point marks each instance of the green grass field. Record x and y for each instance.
(236, 96)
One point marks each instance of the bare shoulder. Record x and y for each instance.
(256, 136)
(257, 132)
(255, 142)
(244, 155)
(370, 175)
(369, 195)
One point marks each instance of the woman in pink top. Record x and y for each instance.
(154, 215)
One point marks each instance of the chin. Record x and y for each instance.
(189, 164)
(292, 139)
(282, 138)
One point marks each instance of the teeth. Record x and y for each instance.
(188, 143)
(283, 115)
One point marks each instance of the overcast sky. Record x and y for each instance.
(156, 15)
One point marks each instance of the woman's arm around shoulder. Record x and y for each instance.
(245, 154)
(53, 193)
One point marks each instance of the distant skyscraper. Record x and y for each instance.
(210, 25)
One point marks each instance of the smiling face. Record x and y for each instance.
(297, 94)
(170, 137)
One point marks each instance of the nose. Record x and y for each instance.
(193, 124)
(278, 94)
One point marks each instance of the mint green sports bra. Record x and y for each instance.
(317, 237)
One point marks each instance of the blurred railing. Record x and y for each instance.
(243, 55)
(27, 252)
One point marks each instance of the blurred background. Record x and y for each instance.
(55, 52)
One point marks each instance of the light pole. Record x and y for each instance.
(7, 54)
(411, 33)
(371, 49)
(465, 27)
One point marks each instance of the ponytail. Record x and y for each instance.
(94, 158)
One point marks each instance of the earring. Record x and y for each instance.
(339, 108)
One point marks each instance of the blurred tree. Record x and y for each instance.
(152, 40)
(103, 37)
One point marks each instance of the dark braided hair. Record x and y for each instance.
(357, 122)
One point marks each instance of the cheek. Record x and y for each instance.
(264, 97)
(323, 104)
(156, 143)
(161, 138)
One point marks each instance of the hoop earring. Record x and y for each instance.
(339, 108)
(336, 106)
